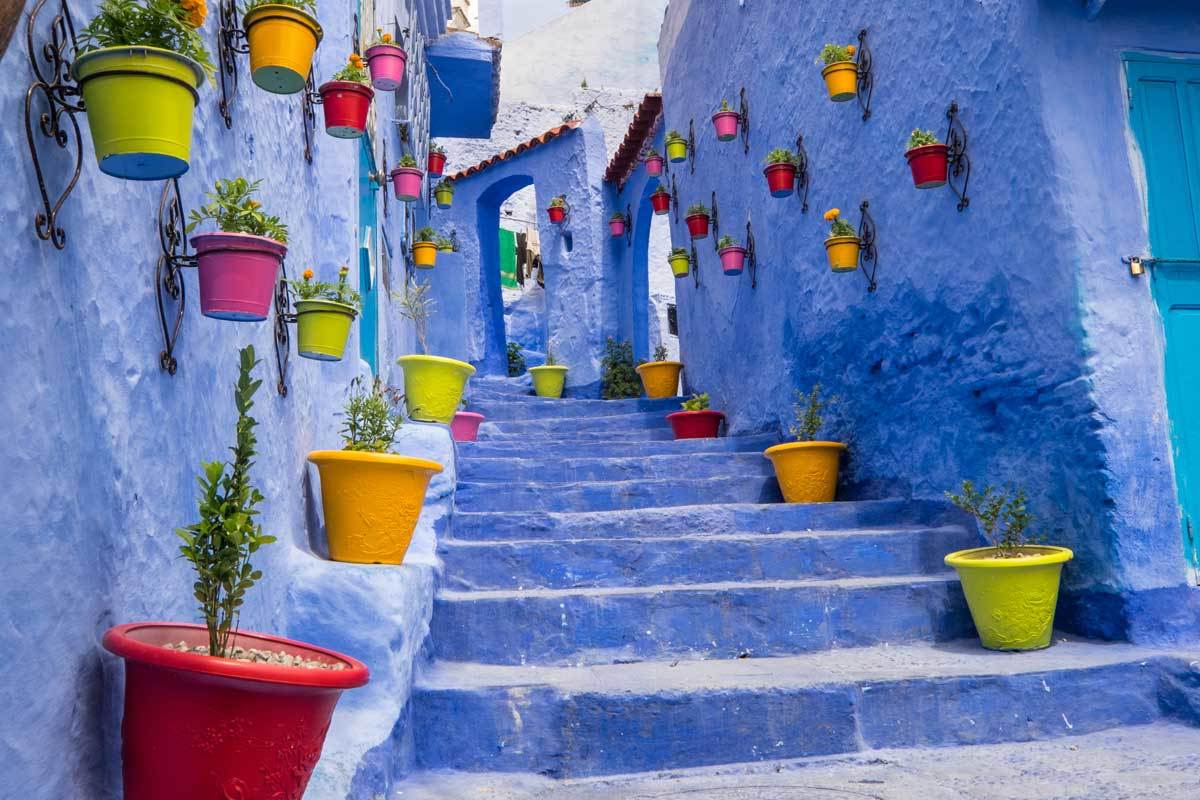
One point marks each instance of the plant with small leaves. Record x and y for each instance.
(308, 6)
(235, 211)
(383, 37)
(355, 70)
(651, 153)
(516, 360)
(425, 234)
(558, 201)
(920, 138)
(340, 292)
(780, 155)
(835, 53)
(168, 24)
(407, 162)
(697, 208)
(444, 244)
(617, 217)
(679, 252)
(417, 306)
(674, 136)
(808, 414)
(724, 106)
(1003, 516)
(551, 361)
(369, 424)
(220, 545)
(726, 241)
(445, 186)
(660, 353)
(698, 402)
(434, 147)
(837, 225)
(619, 379)
(583, 84)
(660, 189)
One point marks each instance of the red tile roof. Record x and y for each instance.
(625, 160)
(553, 133)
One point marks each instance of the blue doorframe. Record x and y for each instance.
(368, 250)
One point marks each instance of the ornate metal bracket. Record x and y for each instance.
(628, 225)
(283, 337)
(751, 255)
(803, 178)
(691, 147)
(867, 252)
(716, 224)
(51, 65)
(675, 198)
(310, 98)
(959, 176)
(173, 257)
(695, 267)
(866, 75)
(744, 119)
(231, 40)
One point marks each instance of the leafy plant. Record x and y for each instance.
(698, 402)
(434, 147)
(168, 24)
(839, 226)
(220, 545)
(417, 306)
(235, 211)
(808, 414)
(340, 292)
(355, 70)
(697, 208)
(617, 217)
(516, 361)
(559, 201)
(551, 361)
(679, 252)
(726, 241)
(660, 189)
(425, 234)
(407, 162)
(368, 424)
(674, 136)
(619, 378)
(660, 353)
(833, 53)
(780, 155)
(307, 6)
(445, 186)
(920, 138)
(724, 106)
(651, 153)
(383, 37)
(1002, 514)
(444, 244)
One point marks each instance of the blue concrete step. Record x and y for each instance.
(626, 718)
(614, 495)
(540, 408)
(581, 439)
(700, 558)
(679, 467)
(718, 620)
(570, 427)
(524, 447)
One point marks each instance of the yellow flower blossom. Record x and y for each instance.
(197, 11)
(356, 60)
(832, 214)
(343, 272)
(253, 204)
(851, 49)
(308, 274)
(386, 38)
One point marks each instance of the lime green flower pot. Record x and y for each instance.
(433, 386)
(548, 381)
(322, 327)
(677, 150)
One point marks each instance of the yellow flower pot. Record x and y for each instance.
(425, 254)
(443, 197)
(660, 378)
(842, 252)
(1012, 600)
(282, 40)
(548, 381)
(679, 265)
(807, 471)
(433, 386)
(372, 502)
(841, 78)
(677, 150)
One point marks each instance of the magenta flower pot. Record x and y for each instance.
(616, 227)
(386, 62)
(726, 125)
(407, 183)
(654, 165)
(733, 259)
(465, 426)
(239, 273)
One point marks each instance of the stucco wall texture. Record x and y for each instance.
(1004, 344)
(104, 446)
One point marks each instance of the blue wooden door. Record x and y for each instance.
(368, 248)
(1164, 96)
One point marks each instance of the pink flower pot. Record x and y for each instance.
(733, 259)
(726, 125)
(386, 62)
(407, 183)
(465, 426)
(617, 228)
(238, 275)
(654, 165)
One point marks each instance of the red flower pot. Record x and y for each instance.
(557, 214)
(239, 273)
(201, 728)
(436, 164)
(661, 202)
(654, 165)
(733, 259)
(781, 179)
(929, 165)
(346, 104)
(696, 424)
(726, 125)
(617, 228)
(698, 226)
(406, 181)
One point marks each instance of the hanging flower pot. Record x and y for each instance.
(443, 194)
(444, 245)
(928, 159)
(840, 71)
(324, 313)
(725, 122)
(425, 254)
(386, 61)
(465, 427)
(697, 221)
(436, 161)
(677, 147)
(557, 210)
(282, 40)
(140, 102)
(654, 164)
(549, 380)
(843, 244)
(407, 180)
(733, 256)
(660, 378)
(660, 201)
(433, 386)
(781, 172)
(696, 421)
(680, 260)
(616, 225)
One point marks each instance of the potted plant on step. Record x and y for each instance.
(425, 248)
(780, 172)
(733, 255)
(1011, 585)
(436, 161)
(616, 225)
(324, 314)
(212, 710)
(386, 59)
(346, 99)
(842, 245)
(840, 71)
(660, 200)
(465, 426)
(443, 194)
(928, 159)
(282, 36)
(516, 360)
(677, 147)
(697, 220)
(619, 377)
(371, 497)
(696, 421)
(680, 260)
(557, 210)
(433, 385)
(239, 266)
(660, 377)
(725, 121)
(550, 378)
(654, 163)
(407, 179)
(807, 468)
(445, 245)
(139, 67)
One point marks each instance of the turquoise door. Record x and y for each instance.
(368, 247)
(1165, 112)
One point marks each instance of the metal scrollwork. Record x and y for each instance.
(803, 178)
(695, 267)
(675, 198)
(231, 40)
(867, 251)
(751, 256)
(169, 288)
(310, 99)
(744, 118)
(959, 159)
(716, 224)
(628, 225)
(691, 147)
(283, 336)
(866, 75)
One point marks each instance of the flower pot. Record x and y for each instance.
(425, 254)
(282, 40)
(841, 79)
(661, 203)
(433, 386)
(697, 225)
(436, 162)
(140, 102)
(680, 265)
(807, 471)
(238, 275)
(1011, 599)
(842, 252)
(386, 62)
(406, 182)
(198, 728)
(654, 166)
(726, 125)
(696, 424)
(443, 197)
(548, 380)
(660, 378)
(781, 179)
(372, 502)
(929, 165)
(557, 214)
(733, 259)
(465, 426)
(677, 150)
(322, 327)
(346, 104)
(616, 227)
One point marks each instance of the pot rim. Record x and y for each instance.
(285, 11)
(674, 139)
(385, 46)
(731, 248)
(832, 240)
(696, 216)
(775, 166)
(815, 445)
(926, 149)
(236, 240)
(1052, 554)
(417, 358)
(548, 368)
(120, 641)
(339, 308)
(651, 364)
(648, 159)
(319, 457)
(407, 171)
(721, 114)
(708, 412)
(839, 66)
(470, 415)
(131, 49)
(346, 86)
(423, 245)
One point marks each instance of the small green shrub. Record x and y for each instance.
(679, 252)
(698, 402)
(516, 361)
(697, 208)
(1002, 515)
(726, 241)
(445, 186)
(368, 422)
(780, 155)
(434, 147)
(417, 306)
(425, 234)
(833, 53)
(340, 292)
(149, 23)
(619, 379)
(235, 211)
(617, 217)
(660, 353)
(674, 136)
(807, 413)
(407, 162)
(837, 225)
(354, 71)
(559, 201)
(920, 138)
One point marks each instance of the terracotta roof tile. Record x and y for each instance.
(625, 160)
(516, 151)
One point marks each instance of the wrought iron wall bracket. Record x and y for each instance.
(231, 40)
(959, 175)
(751, 255)
(628, 225)
(169, 288)
(803, 177)
(716, 223)
(50, 61)
(866, 75)
(695, 267)
(310, 98)
(868, 254)
(675, 198)
(691, 147)
(744, 119)
(283, 337)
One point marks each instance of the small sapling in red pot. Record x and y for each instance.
(696, 421)
(928, 159)
(780, 172)
(697, 220)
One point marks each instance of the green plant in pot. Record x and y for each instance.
(780, 172)
(324, 313)
(697, 219)
(181, 679)
(928, 159)
(516, 360)
(425, 248)
(696, 420)
(677, 146)
(807, 468)
(1012, 584)
(139, 68)
(445, 245)
(282, 37)
(680, 260)
(660, 377)
(619, 377)
(433, 385)
(549, 379)
(443, 193)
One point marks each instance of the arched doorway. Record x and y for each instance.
(652, 288)
(488, 224)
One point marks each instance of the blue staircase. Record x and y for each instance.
(617, 602)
